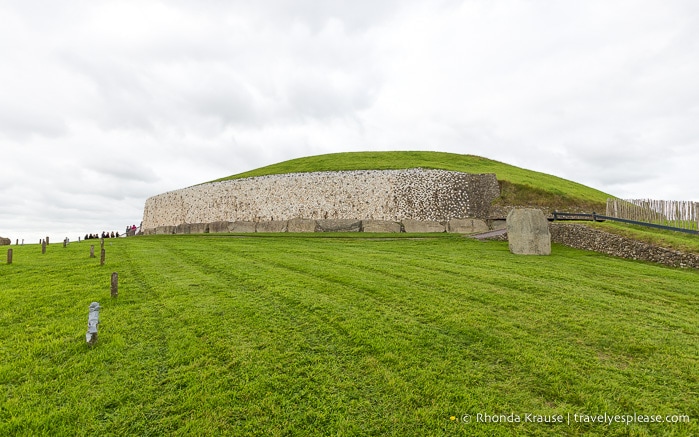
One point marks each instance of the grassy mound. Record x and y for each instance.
(405, 335)
(518, 186)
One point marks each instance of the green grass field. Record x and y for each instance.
(401, 335)
(518, 186)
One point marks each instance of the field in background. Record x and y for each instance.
(337, 335)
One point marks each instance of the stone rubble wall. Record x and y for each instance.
(584, 237)
(381, 195)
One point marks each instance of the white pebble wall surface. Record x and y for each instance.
(412, 194)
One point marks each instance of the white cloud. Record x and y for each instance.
(107, 103)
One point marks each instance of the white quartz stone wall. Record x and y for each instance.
(413, 194)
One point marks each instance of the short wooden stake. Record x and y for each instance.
(102, 253)
(92, 251)
(9, 256)
(47, 240)
(115, 284)
(65, 243)
(93, 319)
(43, 246)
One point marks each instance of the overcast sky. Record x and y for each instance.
(106, 103)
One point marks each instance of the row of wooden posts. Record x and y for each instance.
(44, 243)
(93, 315)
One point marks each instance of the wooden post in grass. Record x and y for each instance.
(9, 256)
(93, 320)
(43, 247)
(65, 242)
(115, 284)
(92, 251)
(102, 253)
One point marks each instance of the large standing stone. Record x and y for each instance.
(5, 241)
(301, 225)
(271, 226)
(419, 226)
(467, 226)
(528, 232)
(380, 226)
(339, 225)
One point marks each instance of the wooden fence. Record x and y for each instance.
(678, 214)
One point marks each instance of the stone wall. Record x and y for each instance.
(584, 237)
(383, 195)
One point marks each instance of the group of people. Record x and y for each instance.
(130, 230)
(104, 235)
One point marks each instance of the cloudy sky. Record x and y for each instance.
(106, 103)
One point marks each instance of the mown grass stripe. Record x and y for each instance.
(287, 335)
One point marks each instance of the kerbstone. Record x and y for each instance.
(384, 226)
(339, 225)
(219, 227)
(301, 225)
(183, 228)
(467, 226)
(498, 224)
(419, 226)
(241, 227)
(272, 226)
(528, 232)
(199, 228)
(165, 230)
(192, 228)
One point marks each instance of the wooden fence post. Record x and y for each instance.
(115, 284)
(9, 256)
(102, 253)
(47, 240)
(43, 247)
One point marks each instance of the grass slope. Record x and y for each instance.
(332, 335)
(519, 186)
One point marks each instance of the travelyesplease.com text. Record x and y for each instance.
(572, 418)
